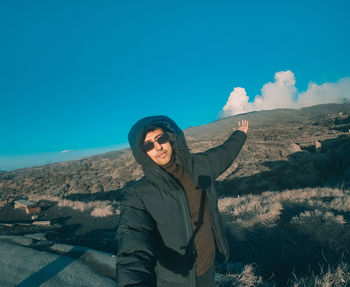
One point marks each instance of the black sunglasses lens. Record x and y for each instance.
(148, 146)
(163, 139)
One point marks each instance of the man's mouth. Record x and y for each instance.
(162, 154)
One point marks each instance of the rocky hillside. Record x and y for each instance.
(286, 148)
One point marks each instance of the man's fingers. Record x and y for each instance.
(242, 125)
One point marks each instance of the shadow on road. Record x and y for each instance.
(53, 268)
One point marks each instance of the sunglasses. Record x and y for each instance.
(161, 139)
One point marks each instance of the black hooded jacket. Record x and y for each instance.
(155, 238)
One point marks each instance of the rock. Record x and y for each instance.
(36, 236)
(3, 202)
(17, 239)
(64, 248)
(96, 188)
(318, 146)
(76, 189)
(7, 224)
(295, 147)
(42, 222)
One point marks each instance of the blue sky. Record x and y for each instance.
(75, 75)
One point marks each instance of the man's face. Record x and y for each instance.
(161, 153)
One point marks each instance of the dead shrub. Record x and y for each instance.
(333, 277)
(247, 278)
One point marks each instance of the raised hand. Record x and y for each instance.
(242, 126)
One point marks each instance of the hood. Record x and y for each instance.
(177, 139)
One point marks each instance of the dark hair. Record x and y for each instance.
(155, 126)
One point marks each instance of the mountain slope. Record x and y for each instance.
(279, 153)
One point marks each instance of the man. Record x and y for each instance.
(170, 226)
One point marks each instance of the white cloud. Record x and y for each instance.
(65, 151)
(237, 102)
(282, 93)
(326, 93)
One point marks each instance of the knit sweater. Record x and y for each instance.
(200, 217)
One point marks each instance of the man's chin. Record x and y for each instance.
(164, 161)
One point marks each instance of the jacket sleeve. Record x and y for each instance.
(136, 244)
(221, 157)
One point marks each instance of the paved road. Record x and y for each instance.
(23, 266)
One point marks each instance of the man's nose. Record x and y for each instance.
(157, 146)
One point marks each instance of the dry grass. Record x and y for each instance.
(98, 208)
(333, 277)
(322, 218)
(247, 278)
(325, 227)
(338, 277)
(310, 223)
(250, 210)
(48, 197)
(102, 211)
